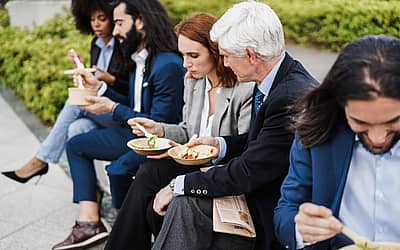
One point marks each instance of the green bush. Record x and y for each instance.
(32, 63)
(328, 23)
(335, 23)
(4, 18)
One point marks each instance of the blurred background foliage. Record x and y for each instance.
(31, 62)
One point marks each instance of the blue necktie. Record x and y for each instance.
(258, 100)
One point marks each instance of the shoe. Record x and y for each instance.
(83, 235)
(12, 175)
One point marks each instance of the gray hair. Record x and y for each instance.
(250, 25)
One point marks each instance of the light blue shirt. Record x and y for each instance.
(370, 206)
(264, 87)
(106, 51)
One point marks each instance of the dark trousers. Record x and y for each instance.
(188, 224)
(102, 144)
(136, 220)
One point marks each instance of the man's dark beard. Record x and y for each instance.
(129, 46)
(396, 138)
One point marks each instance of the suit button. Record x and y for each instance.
(198, 191)
(205, 192)
(192, 191)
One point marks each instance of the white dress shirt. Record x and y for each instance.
(140, 59)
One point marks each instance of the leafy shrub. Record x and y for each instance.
(335, 23)
(328, 23)
(4, 18)
(32, 63)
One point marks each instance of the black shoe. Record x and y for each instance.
(12, 175)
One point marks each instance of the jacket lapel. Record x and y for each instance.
(344, 147)
(283, 71)
(132, 88)
(94, 53)
(222, 106)
(198, 103)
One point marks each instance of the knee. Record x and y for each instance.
(80, 126)
(181, 202)
(147, 168)
(72, 144)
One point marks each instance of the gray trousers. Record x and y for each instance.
(188, 225)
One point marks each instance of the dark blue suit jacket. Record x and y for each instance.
(316, 175)
(257, 162)
(162, 92)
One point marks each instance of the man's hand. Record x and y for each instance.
(316, 223)
(98, 105)
(89, 80)
(104, 76)
(151, 126)
(162, 200)
(205, 140)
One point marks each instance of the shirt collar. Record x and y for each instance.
(101, 44)
(266, 84)
(140, 57)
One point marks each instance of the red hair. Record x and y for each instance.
(197, 28)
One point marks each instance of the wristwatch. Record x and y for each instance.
(172, 186)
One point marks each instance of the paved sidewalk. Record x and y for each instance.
(31, 216)
(35, 217)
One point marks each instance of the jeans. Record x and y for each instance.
(71, 121)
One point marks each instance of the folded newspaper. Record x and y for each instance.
(231, 215)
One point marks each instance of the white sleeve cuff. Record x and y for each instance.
(102, 89)
(179, 188)
(300, 244)
(222, 150)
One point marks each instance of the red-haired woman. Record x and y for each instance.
(215, 105)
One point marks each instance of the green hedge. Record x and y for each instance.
(327, 23)
(4, 18)
(31, 63)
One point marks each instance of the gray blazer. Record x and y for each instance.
(231, 117)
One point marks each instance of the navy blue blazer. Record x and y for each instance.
(259, 160)
(162, 92)
(316, 175)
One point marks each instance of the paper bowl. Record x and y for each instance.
(77, 95)
(141, 147)
(206, 154)
(375, 246)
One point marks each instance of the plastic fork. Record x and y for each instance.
(146, 133)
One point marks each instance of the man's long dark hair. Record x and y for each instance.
(366, 69)
(82, 10)
(160, 35)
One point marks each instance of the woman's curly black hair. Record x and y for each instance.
(82, 9)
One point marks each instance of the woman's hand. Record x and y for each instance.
(104, 76)
(71, 55)
(151, 126)
(316, 223)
